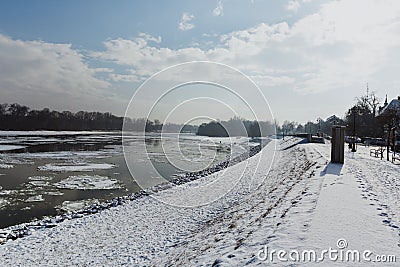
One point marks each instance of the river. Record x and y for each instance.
(47, 173)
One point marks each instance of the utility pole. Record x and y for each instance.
(353, 149)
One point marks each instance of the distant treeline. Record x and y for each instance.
(360, 120)
(21, 118)
(157, 126)
(236, 127)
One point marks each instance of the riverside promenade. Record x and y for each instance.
(302, 203)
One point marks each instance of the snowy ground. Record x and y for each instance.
(304, 203)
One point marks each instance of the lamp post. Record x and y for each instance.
(354, 110)
(353, 148)
(386, 129)
(319, 126)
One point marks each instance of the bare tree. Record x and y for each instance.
(369, 101)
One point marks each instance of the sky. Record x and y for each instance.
(309, 58)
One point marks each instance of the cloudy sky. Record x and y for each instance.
(310, 58)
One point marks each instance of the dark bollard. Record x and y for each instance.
(337, 148)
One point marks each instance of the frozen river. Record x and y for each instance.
(47, 173)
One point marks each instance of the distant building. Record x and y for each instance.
(390, 112)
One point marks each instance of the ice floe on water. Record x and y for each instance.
(10, 159)
(8, 192)
(68, 154)
(77, 167)
(10, 147)
(75, 205)
(3, 202)
(88, 182)
(53, 193)
(39, 183)
(40, 178)
(28, 191)
(6, 166)
(37, 198)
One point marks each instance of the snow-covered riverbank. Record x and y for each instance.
(303, 203)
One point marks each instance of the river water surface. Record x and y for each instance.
(48, 173)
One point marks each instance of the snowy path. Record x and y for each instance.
(303, 203)
(322, 204)
(348, 209)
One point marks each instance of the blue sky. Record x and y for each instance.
(310, 58)
(88, 23)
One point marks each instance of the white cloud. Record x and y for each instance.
(218, 10)
(268, 80)
(130, 77)
(31, 71)
(150, 38)
(143, 57)
(241, 47)
(209, 35)
(346, 46)
(293, 5)
(184, 24)
(102, 70)
(335, 48)
(123, 77)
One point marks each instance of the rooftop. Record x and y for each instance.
(393, 106)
